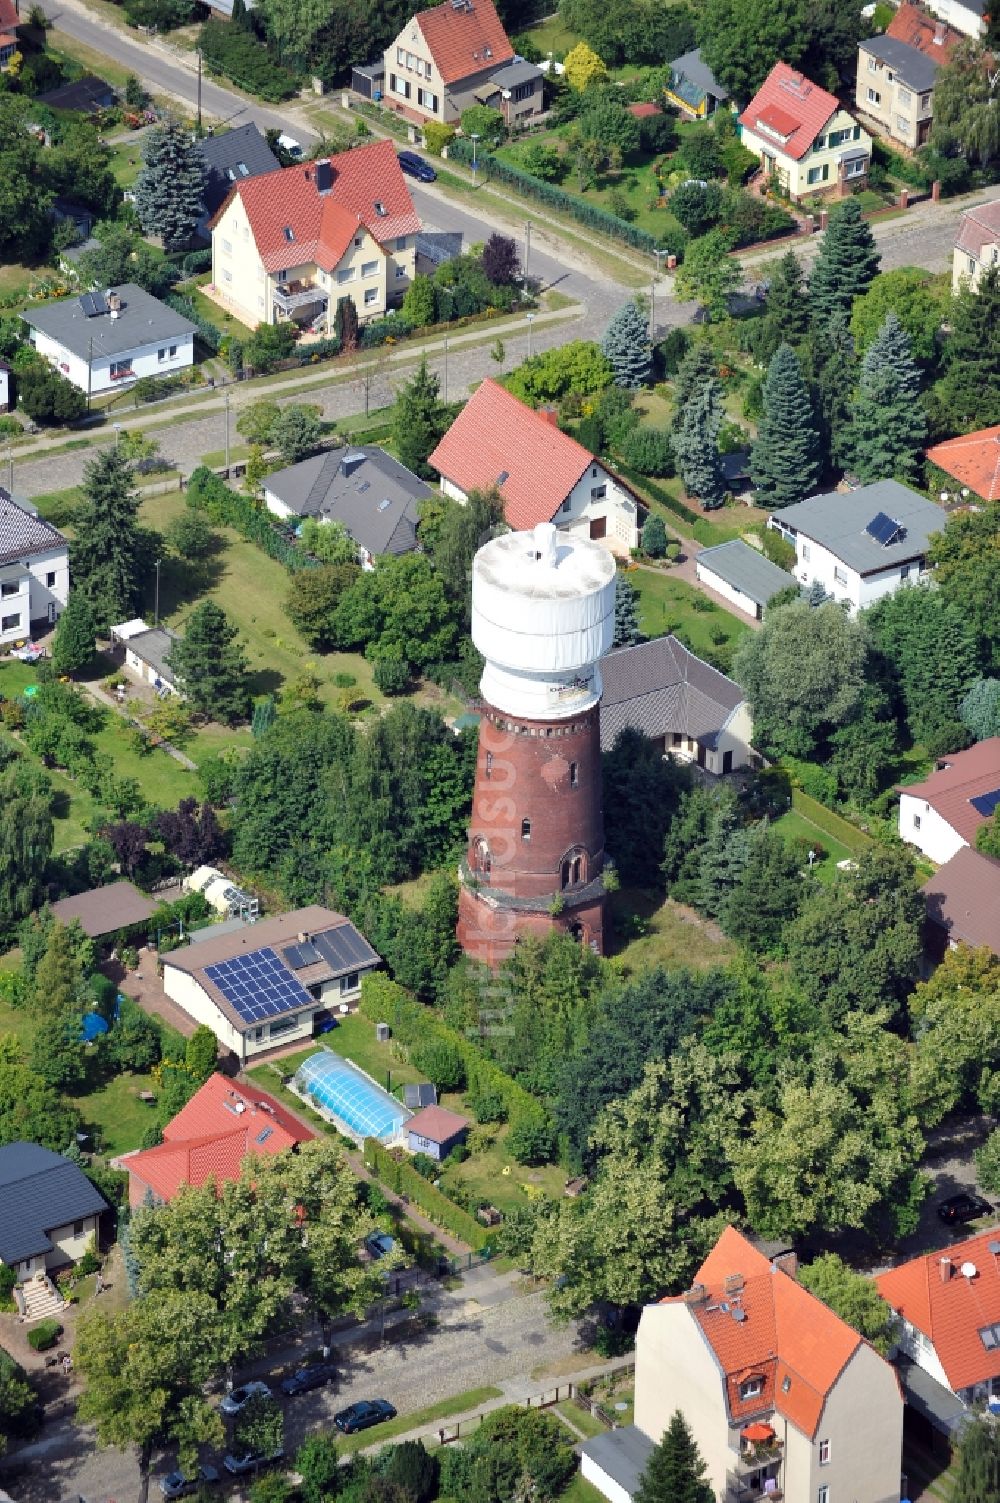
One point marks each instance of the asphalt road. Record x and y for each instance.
(499, 1336)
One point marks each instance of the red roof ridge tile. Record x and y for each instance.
(973, 459)
(464, 37)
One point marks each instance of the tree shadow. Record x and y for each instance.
(265, 681)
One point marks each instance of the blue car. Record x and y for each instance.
(417, 167)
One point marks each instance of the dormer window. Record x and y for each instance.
(289, 233)
(752, 1387)
(380, 208)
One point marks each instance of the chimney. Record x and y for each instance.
(550, 415)
(733, 1283)
(939, 31)
(114, 303)
(787, 1262)
(324, 177)
(696, 1295)
(945, 1265)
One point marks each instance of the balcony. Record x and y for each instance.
(756, 1456)
(291, 296)
(756, 1489)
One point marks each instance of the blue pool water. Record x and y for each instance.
(340, 1088)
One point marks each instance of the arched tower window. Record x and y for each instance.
(482, 861)
(573, 868)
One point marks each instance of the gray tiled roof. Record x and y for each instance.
(22, 532)
(370, 493)
(910, 65)
(39, 1191)
(745, 569)
(143, 320)
(621, 1454)
(153, 647)
(658, 687)
(837, 521)
(515, 72)
(691, 69)
(227, 155)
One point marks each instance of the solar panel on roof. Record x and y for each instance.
(884, 529)
(985, 803)
(299, 955)
(100, 303)
(343, 948)
(258, 986)
(87, 304)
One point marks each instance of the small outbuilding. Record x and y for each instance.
(694, 88)
(146, 651)
(105, 910)
(742, 576)
(435, 1131)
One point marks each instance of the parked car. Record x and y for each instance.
(417, 167)
(289, 144)
(239, 1397)
(963, 1207)
(379, 1244)
(176, 1485)
(363, 1414)
(251, 1461)
(307, 1378)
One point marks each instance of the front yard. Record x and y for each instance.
(668, 603)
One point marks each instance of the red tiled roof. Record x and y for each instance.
(792, 106)
(322, 225)
(963, 897)
(788, 1338)
(952, 1312)
(464, 39)
(963, 776)
(436, 1123)
(926, 33)
(9, 20)
(643, 111)
(979, 227)
(974, 460)
(212, 1135)
(497, 436)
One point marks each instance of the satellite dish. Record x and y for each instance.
(968, 1270)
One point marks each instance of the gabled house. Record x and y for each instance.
(973, 460)
(541, 473)
(272, 982)
(9, 22)
(105, 340)
(366, 490)
(783, 1398)
(803, 137)
(144, 652)
(862, 544)
(948, 1303)
(49, 1210)
(977, 245)
(34, 571)
(970, 17)
(942, 814)
(684, 706)
(742, 575)
(229, 158)
(963, 904)
(453, 56)
(897, 72)
(222, 1124)
(435, 1131)
(694, 88)
(87, 95)
(101, 911)
(291, 244)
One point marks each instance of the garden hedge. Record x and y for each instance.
(403, 1179)
(552, 197)
(207, 333)
(385, 1001)
(209, 493)
(44, 1335)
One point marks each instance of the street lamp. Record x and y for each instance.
(527, 249)
(446, 367)
(118, 432)
(474, 138)
(156, 606)
(10, 469)
(531, 319)
(227, 435)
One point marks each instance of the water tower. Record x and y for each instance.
(543, 608)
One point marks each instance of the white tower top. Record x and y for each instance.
(543, 613)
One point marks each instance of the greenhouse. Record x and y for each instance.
(347, 1097)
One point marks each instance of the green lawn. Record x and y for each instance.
(403, 1423)
(553, 35)
(495, 1176)
(581, 1491)
(354, 1038)
(126, 162)
(17, 1020)
(794, 826)
(580, 1419)
(650, 931)
(225, 322)
(667, 604)
(115, 1115)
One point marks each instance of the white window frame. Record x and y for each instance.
(824, 1453)
(371, 296)
(10, 623)
(823, 1494)
(874, 97)
(368, 269)
(752, 1388)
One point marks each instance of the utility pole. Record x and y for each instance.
(90, 369)
(156, 607)
(10, 469)
(652, 308)
(531, 319)
(198, 127)
(227, 435)
(474, 138)
(446, 367)
(527, 248)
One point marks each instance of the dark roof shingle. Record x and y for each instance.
(659, 686)
(39, 1192)
(105, 910)
(231, 157)
(963, 897)
(365, 489)
(23, 533)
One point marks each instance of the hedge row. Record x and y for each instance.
(702, 530)
(384, 1001)
(818, 814)
(556, 198)
(209, 493)
(403, 1179)
(207, 333)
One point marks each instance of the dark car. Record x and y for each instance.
(363, 1414)
(250, 1461)
(379, 1244)
(417, 167)
(176, 1485)
(964, 1207)
(307, 1378)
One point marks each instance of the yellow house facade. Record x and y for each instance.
(803, 138)
(289, 245)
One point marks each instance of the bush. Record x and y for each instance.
(401, 1177)
(441, 1063)
(44, 1335)
(8, 1282)
(437, 136)
(207, 333)
(47, 397)
(210, 494)
(531, 1141)
(413, 1470)
(649, 450)
(238, 55)
(654, 536)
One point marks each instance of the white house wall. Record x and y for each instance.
(188, 993)
(145, 360)
(862, 1422)
(30, 593)
(921, 1350)
(580, 508)
(729, 592)
(69, 1246)
(599, 1478)
(813, 561)
(934, 835)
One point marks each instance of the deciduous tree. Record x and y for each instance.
(919, 307)
(296, 431)
(25, 840)
(708, 274)
(583, 67)
(852, 1296)
(741, 42)
(501, 262)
